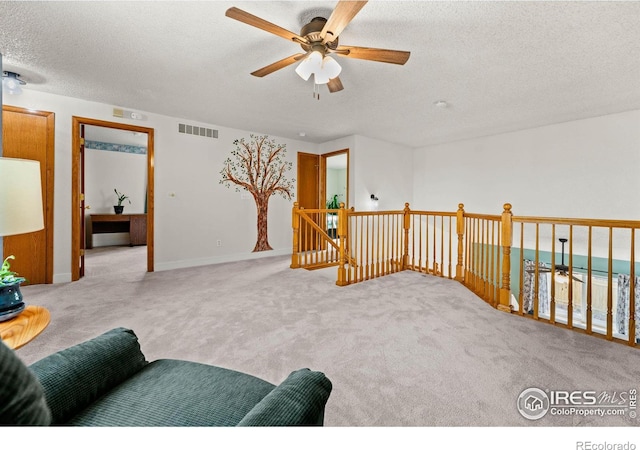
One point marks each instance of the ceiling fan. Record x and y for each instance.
(560, 269)
(319, 39)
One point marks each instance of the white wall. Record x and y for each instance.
(337, 184)
(376, 167)
(106, 171)
(585, 168)
(580, 169)
(192, 210)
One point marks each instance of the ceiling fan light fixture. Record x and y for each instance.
(331, 67)
(320, 35)
(319, 78)
(329, 70)
(11, 83)
(311, 64)
(323, 68)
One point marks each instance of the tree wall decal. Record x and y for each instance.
(259, 167)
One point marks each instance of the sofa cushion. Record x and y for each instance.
(22, 400)
(171, 392)
(75, 377)
(298, 400)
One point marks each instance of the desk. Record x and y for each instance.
(24, 327)
(134, 224)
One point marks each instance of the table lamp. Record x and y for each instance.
(20, 212)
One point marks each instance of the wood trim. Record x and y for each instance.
(150, 199)
(323, 178)
(49, 181)
(75, 181)
(605, 223)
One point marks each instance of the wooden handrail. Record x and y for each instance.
(303, 214)
(507, 242)
(606, 223)
(483, 216)
(295, 224)
(370, 244)
(373, 213)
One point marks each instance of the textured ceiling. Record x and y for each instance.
(500, 66)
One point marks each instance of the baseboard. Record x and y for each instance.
(61, 278)
(172, 265)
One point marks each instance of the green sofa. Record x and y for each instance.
(107, 381)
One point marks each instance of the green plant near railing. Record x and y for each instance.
(333, 203)
(7, 276)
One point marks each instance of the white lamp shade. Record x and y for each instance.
(311, 64)
(329, 70)
(320, 78)
(20, 196)
(330, 67)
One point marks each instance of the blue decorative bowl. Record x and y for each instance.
(11, 312)
(10, 295)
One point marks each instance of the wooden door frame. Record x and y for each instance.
(323, 177)
(48, 184)
(75, 194)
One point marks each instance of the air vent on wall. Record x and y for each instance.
(197, 131)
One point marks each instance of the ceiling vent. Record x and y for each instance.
(197, 131)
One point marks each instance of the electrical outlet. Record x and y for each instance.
(219, 243)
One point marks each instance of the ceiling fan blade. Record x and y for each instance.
(277, 65)
(335, 85)
(257, 22)
(374, 54)
(343, 13)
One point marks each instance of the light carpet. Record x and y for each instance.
(402, 350)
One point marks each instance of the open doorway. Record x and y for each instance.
(321, 179)
(335, 186)
(336, 177)
(113, 165)
(115, 172)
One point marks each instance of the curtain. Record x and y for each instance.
(528, 289)
(622, 311)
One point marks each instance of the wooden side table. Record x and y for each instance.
(23, 328)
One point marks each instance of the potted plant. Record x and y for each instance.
(332, 218)
(11, 303)
(121, 197)
(333, 203)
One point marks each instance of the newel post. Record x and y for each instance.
(295, 223)
(343, 228)
(407, 227)
(460, 231)
(506, 242)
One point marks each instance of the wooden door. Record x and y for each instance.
(308, 195)
(29, 134)
(308, 180)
